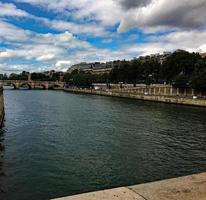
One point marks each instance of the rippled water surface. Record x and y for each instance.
(55, 144)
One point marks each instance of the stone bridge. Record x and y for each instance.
(17, 84)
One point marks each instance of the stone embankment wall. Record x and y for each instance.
(1, 106)
(185, 100)
(153, 89)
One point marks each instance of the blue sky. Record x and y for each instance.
(38, 35)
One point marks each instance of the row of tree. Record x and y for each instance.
(50, 76)
(181, 69)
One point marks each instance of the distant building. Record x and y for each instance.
(81, 66)
(93, 68)
(159, 57)
(203, 55)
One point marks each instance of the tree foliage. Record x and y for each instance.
(82, 79)
(181, 69)
(199, 76)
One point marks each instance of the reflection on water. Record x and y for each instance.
(58, 144)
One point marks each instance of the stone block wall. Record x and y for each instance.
(154, 89)
(1, 106)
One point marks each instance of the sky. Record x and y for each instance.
(39, 35)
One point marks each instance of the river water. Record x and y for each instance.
(56, 144)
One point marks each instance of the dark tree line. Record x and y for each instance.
(54, 76)
(83, 79)
(180, 64)
(181, 69)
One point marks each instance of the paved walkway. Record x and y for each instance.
(184, 188)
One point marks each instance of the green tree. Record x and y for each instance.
(199, 76)
(180, 62)
(181, 81)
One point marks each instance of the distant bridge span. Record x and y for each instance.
(32, 84)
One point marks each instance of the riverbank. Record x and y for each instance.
(154, 98)
(183, 188)
(1, 106)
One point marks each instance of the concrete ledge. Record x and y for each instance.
(154, 98)
(1, 107)
(184, 188)
(122, 193)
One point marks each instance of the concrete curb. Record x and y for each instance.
(191, 187)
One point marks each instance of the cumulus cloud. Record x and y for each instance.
(8, 9)
(62, 65)
(131, 4)
(10, 33)
(132, 13)
(182, 25)
(193, 41)
(57, 51)
(185, 14)
(107, 12)
(17, 68)
(89, 29)
(76, 28)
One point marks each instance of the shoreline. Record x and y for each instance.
(154, 98)
(2, 112)
(190, 187)
(178, 100)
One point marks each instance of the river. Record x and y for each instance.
(56, 144)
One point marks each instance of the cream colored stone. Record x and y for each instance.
(184, 188)
(154, 98)
(113, 194)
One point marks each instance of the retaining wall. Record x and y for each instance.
(157, 98)
(1, 106)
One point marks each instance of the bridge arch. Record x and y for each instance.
(25, 84)
(10, 85)
(16, 84)
(39, 85)
(53, 86)
(13, 85)
(43, 86)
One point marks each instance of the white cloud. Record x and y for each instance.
(62, 65)
(185, 14)
(57, 51)
(107, 12)
(193, 41)
(77, 28)
(45, 57)
(17, 68)
(8, 9)
(63, 62)
(184, 22)
(131, 13)
(10, 33)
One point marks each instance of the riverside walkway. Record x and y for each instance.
(191, 187)
(155, 98)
